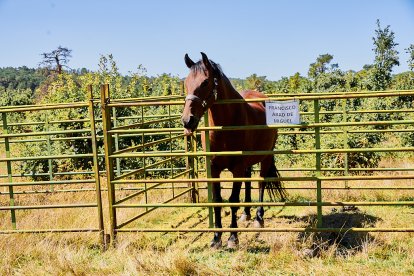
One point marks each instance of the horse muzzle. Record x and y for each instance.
(190, 124)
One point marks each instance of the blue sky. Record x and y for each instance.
(270, 38)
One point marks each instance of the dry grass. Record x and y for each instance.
(73, 254)
(189, 254)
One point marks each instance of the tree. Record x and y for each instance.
(326, 77)
(386, 57)
(56, 59)
(294, 82)
(255, 82)
(410, 51)
(20, 78)
(321, 65)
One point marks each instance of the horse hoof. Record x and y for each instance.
(258, 224)
(244, 218)
(232, 243)
(215, 244)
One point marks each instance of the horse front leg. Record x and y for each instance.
(216, 190)
(234, 198)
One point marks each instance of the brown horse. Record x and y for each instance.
(206, 84)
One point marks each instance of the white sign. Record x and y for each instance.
(282, 112)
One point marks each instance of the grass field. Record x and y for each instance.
(189, 253)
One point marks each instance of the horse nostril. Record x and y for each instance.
(189, 123)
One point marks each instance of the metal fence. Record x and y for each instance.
(316, 122)
(149, 164)
(19, 184)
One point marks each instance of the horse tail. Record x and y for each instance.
(275, 188)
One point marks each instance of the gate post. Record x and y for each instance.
(96, 167)
(9, 170)
(116, 139)
(188, 143)
(208, 171)
(49, 151)
(318, 164)
(109, 164)
(345, 132)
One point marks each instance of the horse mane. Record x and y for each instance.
(199, 67)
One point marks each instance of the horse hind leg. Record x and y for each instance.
(259, 220)
(275, 188)
(246, 215)
(233, 240)
(264, 169)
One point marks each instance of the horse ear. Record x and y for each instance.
(188, 61)
(206, 61)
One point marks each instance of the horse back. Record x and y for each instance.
(256, 109)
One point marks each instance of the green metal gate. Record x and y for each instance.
(18, 185)
(316, 175)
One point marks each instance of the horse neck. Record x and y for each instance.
(222, 114)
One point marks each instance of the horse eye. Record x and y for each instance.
(204, 83)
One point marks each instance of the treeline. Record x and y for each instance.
(24, 86)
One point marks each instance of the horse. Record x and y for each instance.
(205, 84)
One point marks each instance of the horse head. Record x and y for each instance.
(201, 86)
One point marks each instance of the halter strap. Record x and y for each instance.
(204, 103)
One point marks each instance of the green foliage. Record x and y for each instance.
(404, 81)
(321, 66)
(410, 51)
(280, 86)
(11, 97)
(297, 83)
(239, 84)
(20, 78)
(255, 82)
(386, 57)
